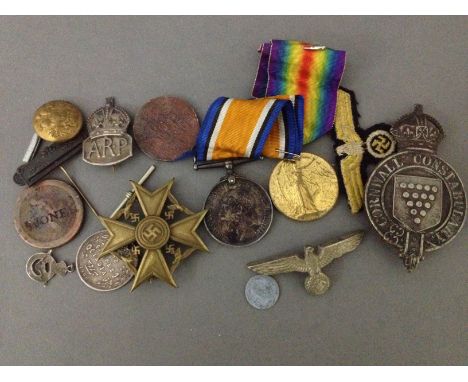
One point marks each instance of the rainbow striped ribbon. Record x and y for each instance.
(289, 67)
(239, 128)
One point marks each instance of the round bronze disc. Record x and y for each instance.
(166, 128)
(239, 213)
(304, 189)
(57, 121)
(48, 214)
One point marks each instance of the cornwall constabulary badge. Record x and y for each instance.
(414, 199)
(108, 143)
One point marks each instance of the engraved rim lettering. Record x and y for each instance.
(102, 275)
(427, 166)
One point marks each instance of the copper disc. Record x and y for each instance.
(48, 214)
(166, 128)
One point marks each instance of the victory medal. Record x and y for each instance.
(305, 188)
(108, 143)
(414, 199)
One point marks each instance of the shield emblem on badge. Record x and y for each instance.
(417, 202)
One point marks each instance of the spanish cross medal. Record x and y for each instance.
(108, 143)
(414, 199)
(165, 233)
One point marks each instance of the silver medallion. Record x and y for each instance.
(240, 211)
(414, 199)
(262, 292)
(41, 267)
(105, 274)
(108, 143)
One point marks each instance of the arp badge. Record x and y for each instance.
(108, 143)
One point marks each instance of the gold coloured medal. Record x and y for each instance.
(305, 188)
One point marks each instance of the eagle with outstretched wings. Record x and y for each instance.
(352, 149)
(315, 258)
(356, 148)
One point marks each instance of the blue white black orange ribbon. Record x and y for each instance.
(238, 128)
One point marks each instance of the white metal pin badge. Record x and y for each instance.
(414, 199)
(108, 143)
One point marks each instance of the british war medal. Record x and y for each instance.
(240, 211)
(108, 143)
(414, 199)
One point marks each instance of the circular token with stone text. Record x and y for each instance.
(48, 214)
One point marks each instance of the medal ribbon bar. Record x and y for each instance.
(296, 67)
(237, 128)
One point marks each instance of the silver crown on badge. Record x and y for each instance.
(414, 199)
(108, 120)
(108, 143)
(417, 130)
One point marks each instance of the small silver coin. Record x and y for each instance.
(262, 292)
(103, 275)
